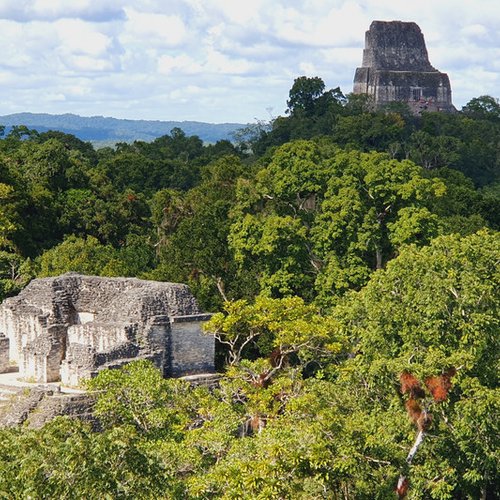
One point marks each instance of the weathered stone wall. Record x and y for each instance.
(395, 46)
(396, 67)
(189, 347)
(40, 405)
(4, 354)
(70, 327)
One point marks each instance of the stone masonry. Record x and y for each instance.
(70, 327)
(396, 68)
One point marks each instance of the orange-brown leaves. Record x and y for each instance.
(410, 385)
(439, 386)
(414, 410)
(435, 386)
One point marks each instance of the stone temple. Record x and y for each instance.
(70, 327)
(396, 68)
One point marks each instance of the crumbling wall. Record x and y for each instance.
(39, 405)
(4, 354)
(69, 327)
(191, 352)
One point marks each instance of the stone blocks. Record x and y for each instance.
(396, 68)
(70, 327)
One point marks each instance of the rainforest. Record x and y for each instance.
(350, 258)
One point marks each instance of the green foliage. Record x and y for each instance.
(342, 247)
(375, 205)
(86, 256)
(274, 328)
(136, 395)
(432, 152)
(434, 309)
(484, 107)
(304, 95)
(192, 232)
(15, 273)
(66, 459)
(7, 224)
(371, 131)
(318, 220)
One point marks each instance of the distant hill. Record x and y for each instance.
(102, 130)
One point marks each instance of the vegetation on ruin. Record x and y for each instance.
(352, 259)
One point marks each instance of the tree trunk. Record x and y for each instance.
(402, 486)
(378, 251)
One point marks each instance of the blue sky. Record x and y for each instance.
(219, 61)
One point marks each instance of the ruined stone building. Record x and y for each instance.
(70, 327)
(396, 67)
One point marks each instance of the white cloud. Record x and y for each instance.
(151, 28)
(308, 69)
(51, 10)
(86, 64)
(216, 60)
(240, 13)
(221, 64)
(474, 30)
(339, 26)
(181, 63)
(55, 97)
(55, 8)
(79, 37)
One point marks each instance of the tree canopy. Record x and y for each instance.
(350, 256)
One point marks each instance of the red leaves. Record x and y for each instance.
(436, 388)
(421, 418)
(409, 384)
(417, 409)
(439, 386)
(414, 410)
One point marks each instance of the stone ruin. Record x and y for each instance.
(396, 68)
(70, 327)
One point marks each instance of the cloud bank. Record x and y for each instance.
(218, 61)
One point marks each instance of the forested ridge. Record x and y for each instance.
(351, 258)
(103, 131)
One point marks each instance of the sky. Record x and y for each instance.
(219, 60)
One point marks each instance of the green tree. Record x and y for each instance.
(432, 152)
(371, 207)
(270, 233)
(371, 131)
(81, 255)
(7, 222)
(304, 94)
(192, 232)
(275, 328)
(319, 220)
(432, 312)
(484, 107)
